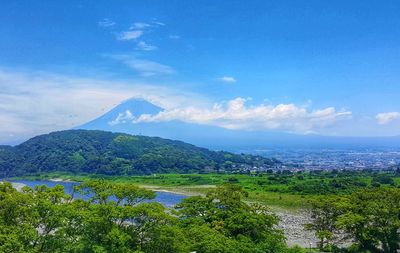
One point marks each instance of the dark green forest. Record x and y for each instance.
(99, 152)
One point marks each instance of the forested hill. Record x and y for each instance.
(90, 151)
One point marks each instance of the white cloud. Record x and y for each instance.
(123, 117)
(387, 117)
(33, 103)
(130, 35)
(159, 23)
(106, 23)
(140, 25)
(141, 45)
(146, 68)
(227, 79)
(136, 31)
(234, 114)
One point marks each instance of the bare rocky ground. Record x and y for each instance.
(18, 186)
(292, 223)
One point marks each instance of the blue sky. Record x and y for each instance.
(314, 55)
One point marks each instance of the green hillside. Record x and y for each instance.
(86, 151)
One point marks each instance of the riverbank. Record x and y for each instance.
(270, 190)
(200, 190)
(18, 186)
(291, 221)
(61, 180)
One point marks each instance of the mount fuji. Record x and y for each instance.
(119, 119)
(197, 134)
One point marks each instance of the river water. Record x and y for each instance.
(291, 223)
(167, 199)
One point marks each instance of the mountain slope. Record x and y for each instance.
(89, 151)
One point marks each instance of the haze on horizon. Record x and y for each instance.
(314, 67)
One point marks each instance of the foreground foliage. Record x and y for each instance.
(115, 218)
(371, 218)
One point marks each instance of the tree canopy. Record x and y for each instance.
(89, 151)
(116, 219)
(369, 217)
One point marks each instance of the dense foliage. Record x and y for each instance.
(84, 151)
(115, 219)
(299, 183)
(370, 218)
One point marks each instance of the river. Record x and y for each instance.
(292, 223)
(168, 199)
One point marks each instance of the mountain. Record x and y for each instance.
(193, 133)
(220, 138)
(93, 151)
(202, 135)
(135, 107)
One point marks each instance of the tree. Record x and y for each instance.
(224, 211)
(373, 219)
(33, 220)
(116, 218)
(325, 211)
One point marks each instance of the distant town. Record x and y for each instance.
(333, 159)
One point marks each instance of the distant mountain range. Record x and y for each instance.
(217, 137)
(100, 152)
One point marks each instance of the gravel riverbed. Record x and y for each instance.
(292, 223)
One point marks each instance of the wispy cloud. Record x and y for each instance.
(141, 45)
(136, 31)
(235, 114)
(149, 68)
(140, 25)
(387, 117)
(144, 67)
(106, 23)
(159, 23)
(227, 79)
(130, 35)
(174, 37)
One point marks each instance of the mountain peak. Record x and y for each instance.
(137, 106)
(134, 107)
